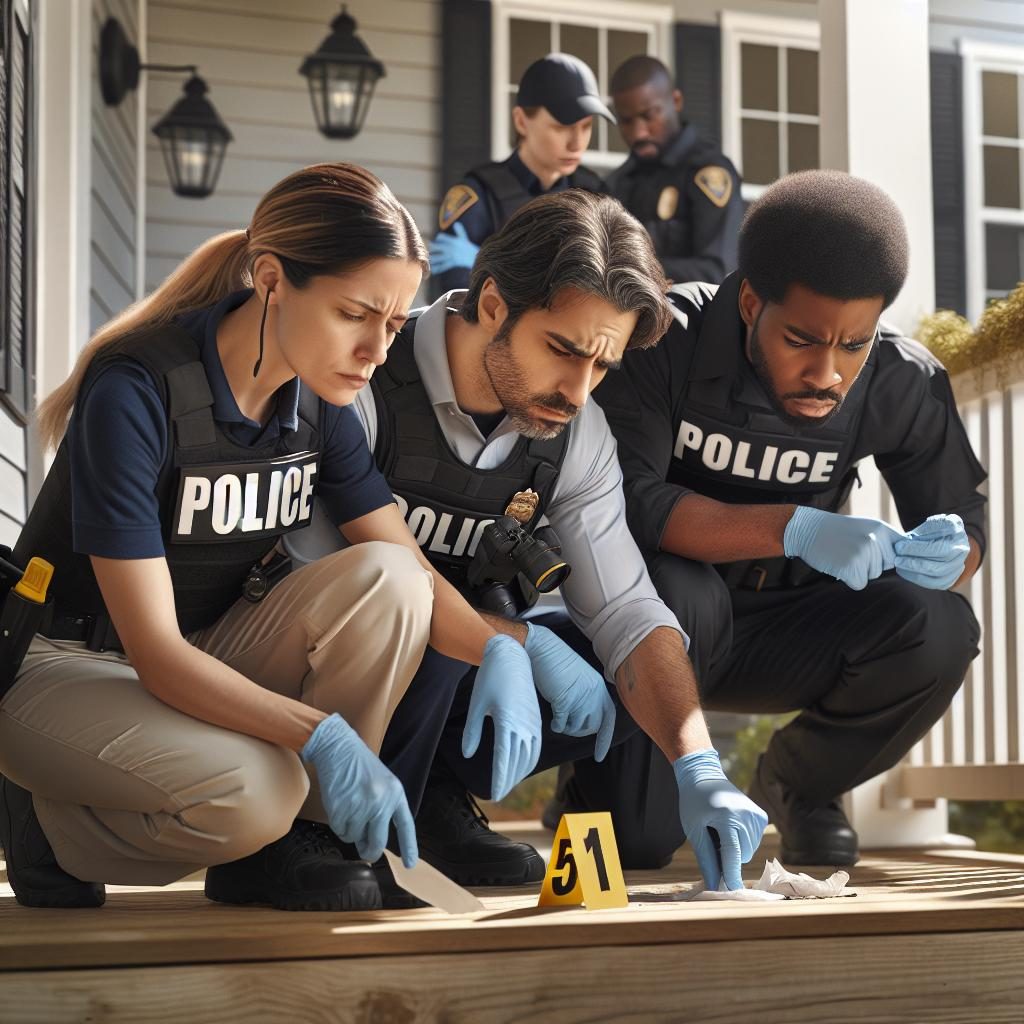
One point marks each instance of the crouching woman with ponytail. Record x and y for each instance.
(170, 714)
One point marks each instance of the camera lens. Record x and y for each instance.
(543, 567)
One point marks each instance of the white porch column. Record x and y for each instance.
(875, 110)
(875, 123)
(62, 203)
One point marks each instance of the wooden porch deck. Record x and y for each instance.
(931, 936)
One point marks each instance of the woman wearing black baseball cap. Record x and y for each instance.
(557, 101)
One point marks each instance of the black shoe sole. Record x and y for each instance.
(83, 896)
(498, 874)
(350, 897)
(63, 892)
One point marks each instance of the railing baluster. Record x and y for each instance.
(997, 718)
(1015, 560)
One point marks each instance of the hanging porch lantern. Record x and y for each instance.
(342, 75)
(193, 139)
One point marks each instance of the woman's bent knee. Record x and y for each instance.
(390, 572)
(271, 788)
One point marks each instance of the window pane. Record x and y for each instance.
(760, 151)
(1002, 176)
(803, 147)
(999, 104)
(528, 41)
(580, 41)
(621, 46)
(1002, 257)
(759, 68)
(802, 81)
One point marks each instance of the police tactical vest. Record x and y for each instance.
(732, 446)
(505, 193)
(446, 503)
(222, 505)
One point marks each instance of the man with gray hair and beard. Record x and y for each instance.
(481, 411)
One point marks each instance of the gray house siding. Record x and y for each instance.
(249, 52)
(112, 204)
(983, 21)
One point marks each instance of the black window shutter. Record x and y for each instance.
(698, 54)
(16, 223)
(948, 181)
(465, 88)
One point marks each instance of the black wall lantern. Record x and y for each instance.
(341, 75)
(192, 136)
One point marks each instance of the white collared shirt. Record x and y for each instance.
(609, 594)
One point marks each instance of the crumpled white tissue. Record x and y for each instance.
(797, 885)
(776, 883)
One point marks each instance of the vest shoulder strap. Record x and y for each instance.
(585, 178)
(171, 355)
(310, 407)
(504, 192)
(501, 181)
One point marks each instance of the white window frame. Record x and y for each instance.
(737, 29)
(653, 19)
(979, 57)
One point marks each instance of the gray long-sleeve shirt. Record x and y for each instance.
(609, 594)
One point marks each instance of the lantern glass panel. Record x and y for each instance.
(193, 157)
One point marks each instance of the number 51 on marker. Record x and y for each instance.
(584, 866)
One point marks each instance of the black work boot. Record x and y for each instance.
(454, 837)
(393, 896)
(32, 869)
(811, 833)
(565, 801)
(303, 870)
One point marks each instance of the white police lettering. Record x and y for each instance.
(226, 501)
(436, 532)
(721, 453)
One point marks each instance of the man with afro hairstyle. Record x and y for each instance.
(739, 437)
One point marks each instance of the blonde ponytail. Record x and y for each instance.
(217, 268)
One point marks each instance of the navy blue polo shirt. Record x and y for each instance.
(118, 437)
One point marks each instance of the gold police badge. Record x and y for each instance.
(457, 200)
(668, 202)
(523, 506)
(715, 182)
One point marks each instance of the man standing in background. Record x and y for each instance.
(678, 185)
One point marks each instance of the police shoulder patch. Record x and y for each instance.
(715, 182)
(457, 200)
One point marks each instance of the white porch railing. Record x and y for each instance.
(976, 751)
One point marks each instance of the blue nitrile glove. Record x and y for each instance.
(505, 691)
(450, 251)
(361, 797)
(934, 554)
(575, 691)
(852, 549)
(707, 799)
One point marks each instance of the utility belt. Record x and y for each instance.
(95, 629)
(99, 634)
(768, 574)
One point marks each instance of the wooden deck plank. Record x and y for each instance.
(897, 894)
(941, 979)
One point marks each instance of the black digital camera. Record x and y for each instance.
(512, 567)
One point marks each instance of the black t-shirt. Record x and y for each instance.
(908, 423)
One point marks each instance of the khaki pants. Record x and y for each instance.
(128, 790)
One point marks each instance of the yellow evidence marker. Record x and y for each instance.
(584, 866)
